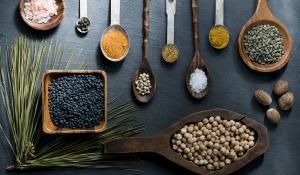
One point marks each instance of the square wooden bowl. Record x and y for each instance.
(48, 126)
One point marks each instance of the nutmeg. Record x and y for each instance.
(273, 115)
(280, 87)
(286, 101)
(263, 97)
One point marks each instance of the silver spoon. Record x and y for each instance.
(115, 24)
(170, 46)
(219, 22)
(83, 23)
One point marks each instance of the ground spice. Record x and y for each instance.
(115, 43)
(219, 37)
(170, 53)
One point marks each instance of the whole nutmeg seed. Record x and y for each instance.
(263, 97)
(286, 101)
(280, 87)
(273, 115)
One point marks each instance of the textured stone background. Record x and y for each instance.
(232, 82)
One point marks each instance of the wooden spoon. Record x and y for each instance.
(52, 23)
(197, 61)
(145, 66)
(161, 143)
(264, 15)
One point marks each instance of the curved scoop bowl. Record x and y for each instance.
(52, 23)
(197, 63)
(264, 15)
(160, 143)
(144, 68)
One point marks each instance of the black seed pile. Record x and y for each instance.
(84, 24)
(76, 101)
(264, 44)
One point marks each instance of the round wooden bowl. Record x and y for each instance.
(264, 15)
(52, 23)
(266, 67)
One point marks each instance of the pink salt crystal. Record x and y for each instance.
(40, 11)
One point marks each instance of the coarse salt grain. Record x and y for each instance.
(40, 11)
(198, 81)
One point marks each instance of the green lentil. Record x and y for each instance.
(264, 44)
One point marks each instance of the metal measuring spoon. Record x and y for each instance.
(115, 24)
(170, 48)
(83, 23)
(219, 22)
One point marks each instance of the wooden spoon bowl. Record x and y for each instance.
(144, 68)
(161, 143)
(52, 23)
(197, 63)
(264, 15)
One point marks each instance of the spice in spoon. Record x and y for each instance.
(115, 43)
(83, 24)
(264, 44)
(219, 37)
(143, 84)
(170, 53)
(214, 142)
(40, 11)
(198, 81)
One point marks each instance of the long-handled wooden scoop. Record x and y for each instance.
(197, 61)
(161, 143)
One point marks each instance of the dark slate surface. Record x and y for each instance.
(233, 83)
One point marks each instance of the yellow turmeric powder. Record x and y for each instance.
(219, 37)
(115, 43)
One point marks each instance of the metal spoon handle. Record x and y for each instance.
(115, 12)
(195, 24)
(146, 29)
(170, 10)
(219, 12)
(83, 8)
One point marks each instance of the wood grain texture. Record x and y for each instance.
(145, 66)
(48, 125)
(52, 23)
(264, 15)
(197, 61)
(160, 143)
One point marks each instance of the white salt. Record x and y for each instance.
(198, 81)
(40, 11)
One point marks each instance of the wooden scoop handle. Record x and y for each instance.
(131, 145)
(146, 29)
(263, 10)
(195, 24)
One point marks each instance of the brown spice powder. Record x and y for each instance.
(115, 43)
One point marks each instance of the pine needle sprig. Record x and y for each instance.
(20, 73)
